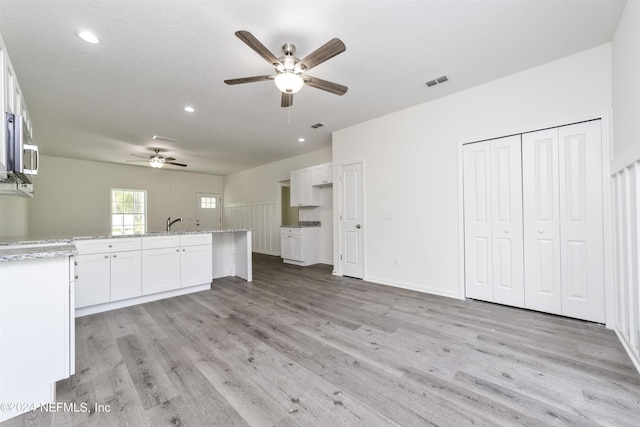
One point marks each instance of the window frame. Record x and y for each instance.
(123, 225)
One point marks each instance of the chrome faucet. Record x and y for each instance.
(170, 223)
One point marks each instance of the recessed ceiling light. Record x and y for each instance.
(300, 139)
(89, 37)
(189, 109)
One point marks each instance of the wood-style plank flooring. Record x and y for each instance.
(300, 347)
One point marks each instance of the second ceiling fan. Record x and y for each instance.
(290, 71)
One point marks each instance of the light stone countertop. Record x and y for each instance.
(17, 249)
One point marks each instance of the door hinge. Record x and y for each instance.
(340, 257)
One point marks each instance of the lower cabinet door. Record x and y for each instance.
(160, 270)
(93, 279)
(196, 265)
(126, 280)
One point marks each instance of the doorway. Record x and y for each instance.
(290, 214)
(351, 220)
(208, 211)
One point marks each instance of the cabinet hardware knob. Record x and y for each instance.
(358, 226)
(76, 276)
(106, 256)
(506, 231)
(540, 231)
(115, 255)
(110, 246)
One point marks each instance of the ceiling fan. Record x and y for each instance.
(290, 71)
(158, 161)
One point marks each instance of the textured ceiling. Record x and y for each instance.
(105, 102)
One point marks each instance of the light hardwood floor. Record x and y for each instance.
(300, 347)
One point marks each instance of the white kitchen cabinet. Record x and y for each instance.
(303, 193)
(291, 244)
(36, 330)
(107, 270)
(322, 175)
(176, 261)
(160, 270)
(196, 259)
(3, 133)
(126, 276)
(300, 246)
(94, 279)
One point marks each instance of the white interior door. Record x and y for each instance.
(352, 221)
(506, 221)
(581, 221)
(208, 211)
(541, 199)
(477, 220)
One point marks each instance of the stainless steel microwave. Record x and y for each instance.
(22, 157)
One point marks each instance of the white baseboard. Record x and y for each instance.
(414, 287)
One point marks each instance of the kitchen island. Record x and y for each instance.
(45, 284)
(37, 333)
(119, 271)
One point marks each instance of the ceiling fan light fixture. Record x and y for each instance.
(156, 163)
(289, 82)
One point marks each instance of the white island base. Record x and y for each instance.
(228, 254)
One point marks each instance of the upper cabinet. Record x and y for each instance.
(303, 193)
(3, 97)
(322, 175)
(12, 101)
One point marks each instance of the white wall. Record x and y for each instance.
(411, 161)
(72, 196)
(252, 199)
(14, 211)
(626, 178)
(625, 53)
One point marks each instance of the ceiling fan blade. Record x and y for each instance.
(287, 100)
(130, 161)
(248, 80)
(169, 159)
(258, 47)
(176, 164)
(335, 88)
(327, 51)
(142, 157)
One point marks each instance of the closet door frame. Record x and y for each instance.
(605, 117)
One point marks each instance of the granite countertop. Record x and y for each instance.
(21, 248)
(36, 251)
(303, 224)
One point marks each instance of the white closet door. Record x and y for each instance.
(506, 214)
(477, 220)
(543, 289)
(581, 221)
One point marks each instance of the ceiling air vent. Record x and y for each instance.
(434, 82)
(317, 125)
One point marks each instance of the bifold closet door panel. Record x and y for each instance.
(581, 221)
(493, 221)
(477, 220)
(541, 213)
(506, 214)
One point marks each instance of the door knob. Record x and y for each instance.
(358, 226)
